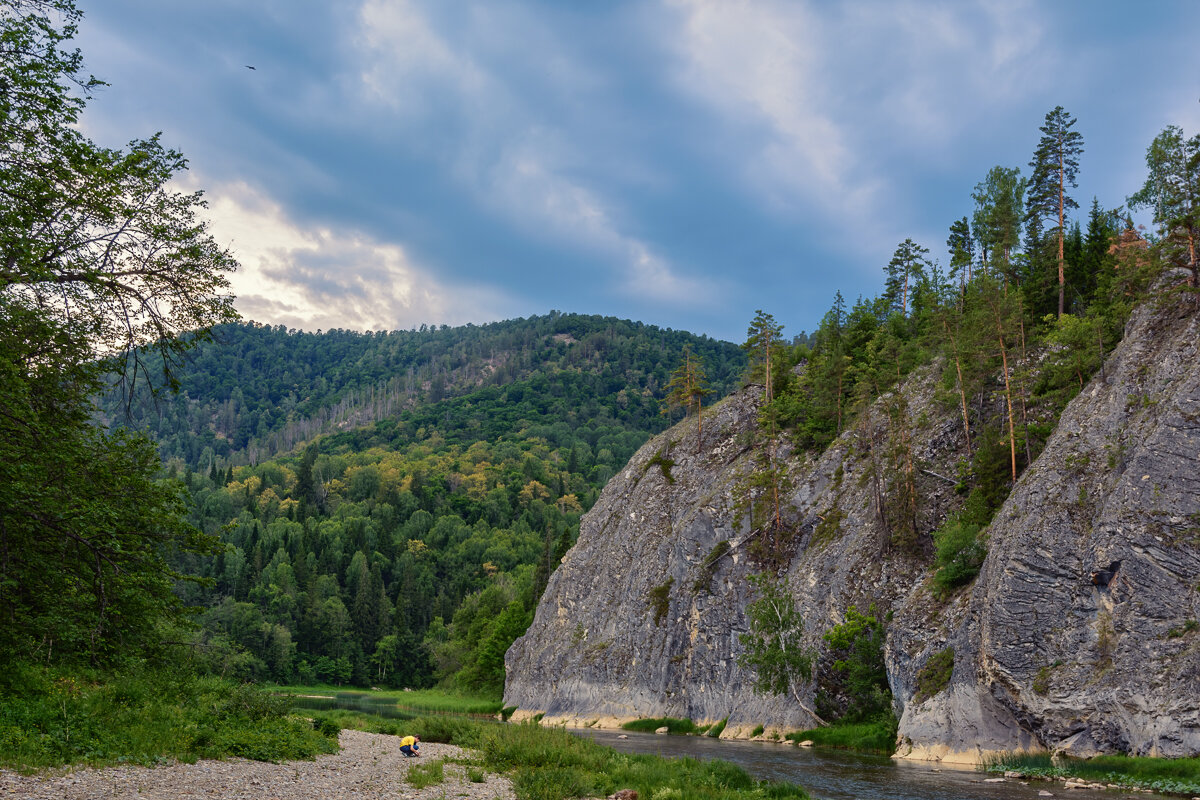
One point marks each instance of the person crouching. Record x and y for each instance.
(410, 746)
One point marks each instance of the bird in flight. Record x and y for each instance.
(250, 67)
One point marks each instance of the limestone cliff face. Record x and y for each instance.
(1078, 634)
(633, 625)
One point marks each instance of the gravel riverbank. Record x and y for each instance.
(369, 767)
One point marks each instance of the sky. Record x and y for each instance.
(383, 164)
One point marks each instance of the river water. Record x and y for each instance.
(839, 775)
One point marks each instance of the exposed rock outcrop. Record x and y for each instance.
(1079, 635)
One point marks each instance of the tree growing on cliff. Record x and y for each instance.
(688, 387)
(1172, 191)
(774, 647)
(997, 219)
(763, 342)
(1055, 164)
(908, 265)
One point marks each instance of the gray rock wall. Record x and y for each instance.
(1079, 634)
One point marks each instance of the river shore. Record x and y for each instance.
(369, 767)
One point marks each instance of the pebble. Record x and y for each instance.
(370, 766)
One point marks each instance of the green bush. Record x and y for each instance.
(327, 728)
(855, 689)
(960, 554)
(935, 675)
(142, 716)
(651, 724)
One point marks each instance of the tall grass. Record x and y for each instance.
(550, 763)
(429, 773)
(651, 724)
(878, 736)
(55, 717)
(416, 701)
(1173, 775)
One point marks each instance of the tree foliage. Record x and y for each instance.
(99, 258)
(1172, 191)
(855, 688)
(1054, 166)
(774, 648)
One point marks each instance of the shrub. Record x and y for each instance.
(659, 598)
(651, 724)
(960, 554)
(856, 688)
(327, 727)
(935, 675)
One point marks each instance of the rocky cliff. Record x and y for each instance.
(1079, 633)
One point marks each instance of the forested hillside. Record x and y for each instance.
(441, 478)
(256, 391)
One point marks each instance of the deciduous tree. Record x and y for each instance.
(1172, 191)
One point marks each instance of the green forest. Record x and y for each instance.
(412, 549)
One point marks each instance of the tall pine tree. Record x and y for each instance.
(1055, 164)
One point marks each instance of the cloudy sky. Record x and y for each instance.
(388, 163)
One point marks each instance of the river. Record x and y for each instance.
(839, 775)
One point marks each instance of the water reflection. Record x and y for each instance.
(838, 775)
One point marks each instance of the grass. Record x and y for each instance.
(878, 736)
(55, 717)
(651, 724)
(1168, 775)
(420, 701)
(550, 763)
(428, 773)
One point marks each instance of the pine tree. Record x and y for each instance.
(687, 388)
(997, 219)
(763, 339)
(1055, 164)
(962, 253)
(908, 265)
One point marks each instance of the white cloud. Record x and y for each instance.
(832, 93)
(516, 167)
(318, 278)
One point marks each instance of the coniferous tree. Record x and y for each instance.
(997, 219)
(763, 340)
(1055, 164)
(687, 388)
(908, 265)
(962, 253)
